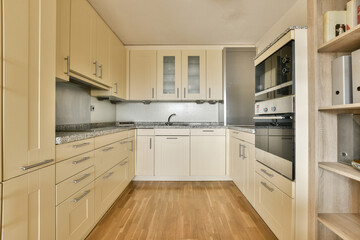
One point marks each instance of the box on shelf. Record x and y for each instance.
(348, 138)
(355, 62)
(333, 20)
(341, 80)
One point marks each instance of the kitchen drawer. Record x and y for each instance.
(123, 149)
(172, 132)
(110, 138)
(69, 167)
(131, 133)
(106, 157)
(145, 132)
(207, 132)
(76, 216)
(68, 150)
(73, 184)
(284, 184)
(245, 136)
(275, 208)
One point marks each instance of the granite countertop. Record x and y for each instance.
(77, 132)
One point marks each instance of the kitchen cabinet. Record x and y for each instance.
(75, 216)
(142, 72)
(168, 75)
(193, 74)
(172, 155)
(62, 40)
(145, 155)
(29, 86)
(207, 152)
(28, 206)
(103, 51)
(131, 158)
(214, 75)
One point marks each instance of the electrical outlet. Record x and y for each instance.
(92, 108)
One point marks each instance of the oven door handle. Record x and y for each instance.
(269, 118)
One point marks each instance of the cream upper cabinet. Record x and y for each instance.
(172, 156)
(28, 205)
(142, 73)
(168, 75)
(83, 39)
(214, 75)
(193, 74)
(103, 51)
(145, 155)
(29, 85)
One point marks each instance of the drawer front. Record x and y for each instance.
(75, 217)
(284, 184)
(72, 166)
(110, 138)
(106, 157)
(247, 137)
(73, 184)
(145, 132)
(172, 132)
(68, 150)
(207, 132)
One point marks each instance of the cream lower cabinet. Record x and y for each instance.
(75, 216)
(172, 155)
(131, 158)
(145, 155)
(28, 206)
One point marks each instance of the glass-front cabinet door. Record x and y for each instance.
(169, 75)
(193, 75)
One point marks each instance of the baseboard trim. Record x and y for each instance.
(182, 178)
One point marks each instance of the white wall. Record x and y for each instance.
(296, 16)
(104, 111)
(160, 111)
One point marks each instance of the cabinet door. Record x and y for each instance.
(142, 75)
(193, 75)
(103, 50)
(131, 158)
(207, 156)
(172, 156)
(29, 206)
(168, 75)
(249, 155)
(214, 75)
(62, 39)
(75, 216)
(145, 155)
(83, 39)
(29, 85)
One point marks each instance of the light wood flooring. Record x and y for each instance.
(181, 210)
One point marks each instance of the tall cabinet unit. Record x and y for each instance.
(335, 213)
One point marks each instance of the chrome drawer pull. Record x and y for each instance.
(24, 168)
(109, 175)
(82, 178)
(67, 65)
(123, 142)
(267, 187)
(75, 200)
(81, 160)
(235, 132)
(171, 138)
(269, 174)
(208, 130)
(123, 163)
(107, 149)
(81, 145)
(132, 146)
(243, 155)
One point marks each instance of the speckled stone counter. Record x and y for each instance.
(243, 128)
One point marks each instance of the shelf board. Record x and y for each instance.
(341, 169)
(345, 225)
(351, 106)
(346, 42)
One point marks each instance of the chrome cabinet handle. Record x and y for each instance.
(267, 187)
(123, 163)
(109, 175)
(150, 143)
(80, 145)
(240, 155)
(24, 168)
(132, 146)
(269, 174)
(101, 71)
(152, 92)
(75, 200)
(67, 65)
(209, 92)
(116, 92)
(81, 160)
(235, 132)
(243, 151)
(82, 178)
(208, 130)
(171, 138)
(96, 67)
(184, 92)
(108, 149)
(177, 92)
(123, 142)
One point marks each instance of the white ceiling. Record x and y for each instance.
(149, 22)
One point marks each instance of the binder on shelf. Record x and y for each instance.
(341, 81)
(355, 62)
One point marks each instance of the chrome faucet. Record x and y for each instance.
(168, 122)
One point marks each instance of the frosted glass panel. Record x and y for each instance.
(193, 74)
(169, 75)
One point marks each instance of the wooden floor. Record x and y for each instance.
(181, 210)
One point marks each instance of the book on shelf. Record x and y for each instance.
(352, 14)
(333, 22)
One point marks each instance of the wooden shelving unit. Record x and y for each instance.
(346, 42)
(353, 106)
(345, 225)
(341, 169)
